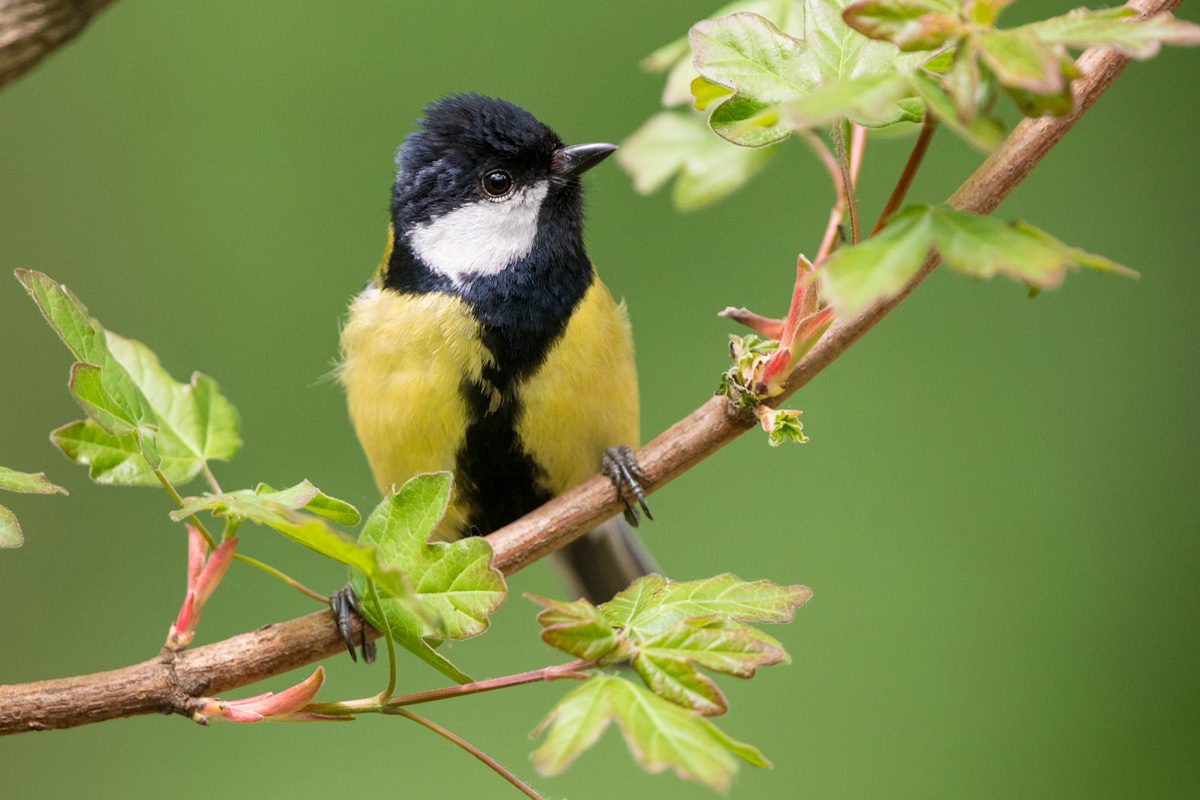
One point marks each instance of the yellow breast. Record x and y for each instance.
(584, 397)
(404, 358)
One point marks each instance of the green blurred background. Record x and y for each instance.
(997, 511)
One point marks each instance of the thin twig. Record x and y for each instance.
(391, 645)
(373, 705)
(928, 127)
(858, 148)
(292, 582)
(470, 748)
(212, 479)
(858, 143)
(166, 683)
(839, 141)
(839, 205)
(166, 484)
(556, 673)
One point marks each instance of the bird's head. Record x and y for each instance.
(479, 179)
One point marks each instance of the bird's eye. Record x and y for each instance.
(497, 183)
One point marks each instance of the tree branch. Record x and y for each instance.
(164, 684)
(31, 29)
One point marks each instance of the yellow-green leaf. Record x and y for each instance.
(659, 734)
(1118, 28)
(455, 579)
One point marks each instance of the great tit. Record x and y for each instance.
(486, 345)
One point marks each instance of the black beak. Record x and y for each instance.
(573, 161)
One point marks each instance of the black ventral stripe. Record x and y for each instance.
(499, 481)
(522, 312)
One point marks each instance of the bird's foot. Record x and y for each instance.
(621, 467)
(344, 604)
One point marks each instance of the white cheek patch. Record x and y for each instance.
(482, 238)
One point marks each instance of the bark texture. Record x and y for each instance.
(32, 29)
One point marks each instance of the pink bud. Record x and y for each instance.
(214, 570)
(180, 634)
(778, 367)
(283, 707)
(804, 300)
(815, 324)
(765, 326)
(202, 578)
(197, 552)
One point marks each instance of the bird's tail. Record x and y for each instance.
(604, 561)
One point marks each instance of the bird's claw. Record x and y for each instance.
(344, 604)
(621, 466)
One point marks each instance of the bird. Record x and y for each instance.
(486, 345)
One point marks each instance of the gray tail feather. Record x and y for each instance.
(604, 561)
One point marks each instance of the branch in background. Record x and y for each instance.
(165, 684)
(32, 29)
(858, 144)
(928, 127)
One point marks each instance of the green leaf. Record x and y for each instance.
(87, 385)
(27, 482)
(748, 123)
(131, 398)
(194, 419)
(964, 82)
(105, 387)
(879, 268)
(576, 723)
(766, 68)
(666, 661)
(871, 101)
(749, 54)
(747, 752)
(10, 529)
(118, 460)
(263, 503)
(705, 91)
(839, 51)
(708, 167)
(1118, 28)
(939, 63)
(784, 426)
(653, 604)
(859, 276)
(1035, 105)
(725, 622)
(984, 12)
(678, 681)
(676, 57)
(314, 534)
(69, 318)
(658, 733)
(730, 650)
(578, 628)
(983, 132)
(984, 247)
(310, 498)
(908, 24)
(1079, 257)
(1021, 60)
(455, 579)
